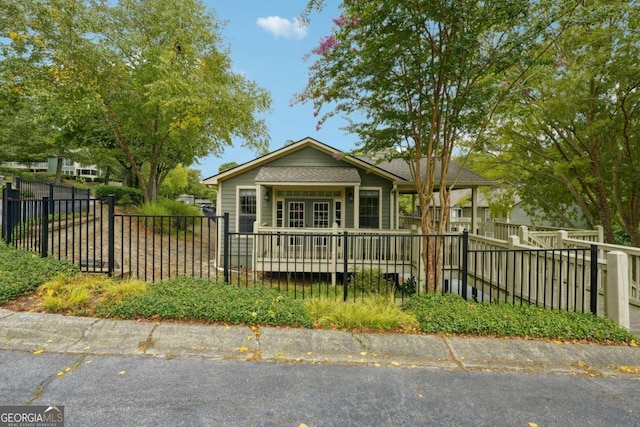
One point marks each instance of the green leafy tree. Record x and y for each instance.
(176, 182)
(413, 78)
(569, 136)
(154, 71)
(227, 165)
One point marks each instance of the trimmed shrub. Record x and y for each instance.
(122, 195)
(371, 281)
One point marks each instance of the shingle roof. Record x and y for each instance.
(456, 173)
(317, 174)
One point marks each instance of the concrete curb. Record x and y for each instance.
(38, 332)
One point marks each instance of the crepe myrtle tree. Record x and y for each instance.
(414, 77)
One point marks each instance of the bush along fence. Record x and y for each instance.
(347, 264)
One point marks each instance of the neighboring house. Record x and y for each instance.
(307, 186)
(69, 167)
(461, 208)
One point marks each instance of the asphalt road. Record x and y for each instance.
(148, 391)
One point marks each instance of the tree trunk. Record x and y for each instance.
(59, 170)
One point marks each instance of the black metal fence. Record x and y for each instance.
(347, 265)
(38, 190)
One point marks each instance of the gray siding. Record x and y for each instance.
(307, 157)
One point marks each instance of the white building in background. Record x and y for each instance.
(69, 168)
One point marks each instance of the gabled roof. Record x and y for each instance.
(308, 174)
(296, 146)
(395, 170)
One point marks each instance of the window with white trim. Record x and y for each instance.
(369, 212)
(246, 209)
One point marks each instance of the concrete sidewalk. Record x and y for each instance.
(37, 332)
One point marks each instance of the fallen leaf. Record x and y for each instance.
(242, 349)
(533, 425)
(39, 351)
(629, 369)
(395, 363)
(60, 373)
(67, 369)
(121, 373)
(420, 395)
(363, 353)
(49, 341)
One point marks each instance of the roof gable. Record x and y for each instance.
(287, 150)
(395, 170)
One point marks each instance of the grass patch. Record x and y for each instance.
(451, 314)
(369, 314)
(80, 294)
(21, 272)
(186, 298)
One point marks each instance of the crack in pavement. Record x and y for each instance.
(41, 388)
(149, 342)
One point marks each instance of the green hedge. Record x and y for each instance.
(122, 195)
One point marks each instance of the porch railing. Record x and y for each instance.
(561, 278)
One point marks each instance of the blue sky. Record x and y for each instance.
(268, 47)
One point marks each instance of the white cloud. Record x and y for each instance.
(281, 27)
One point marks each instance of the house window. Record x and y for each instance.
(247, 210)
(456, 213)
(338, 213)
(369, 209)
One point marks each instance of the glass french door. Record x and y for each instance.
(296, 220)
(296, 214)
(320, 214)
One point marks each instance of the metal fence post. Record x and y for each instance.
(5, 211)
(111, 235)
(593, 294)
(225, 251)
(8, 214)
(345, 265)
(465, 262)
(51, 199)
(44, 247)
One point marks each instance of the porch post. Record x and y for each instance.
(258, 221)
(394, 208)
(356, 206)
(474, 210)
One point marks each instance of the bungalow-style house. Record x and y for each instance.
(310, 187)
